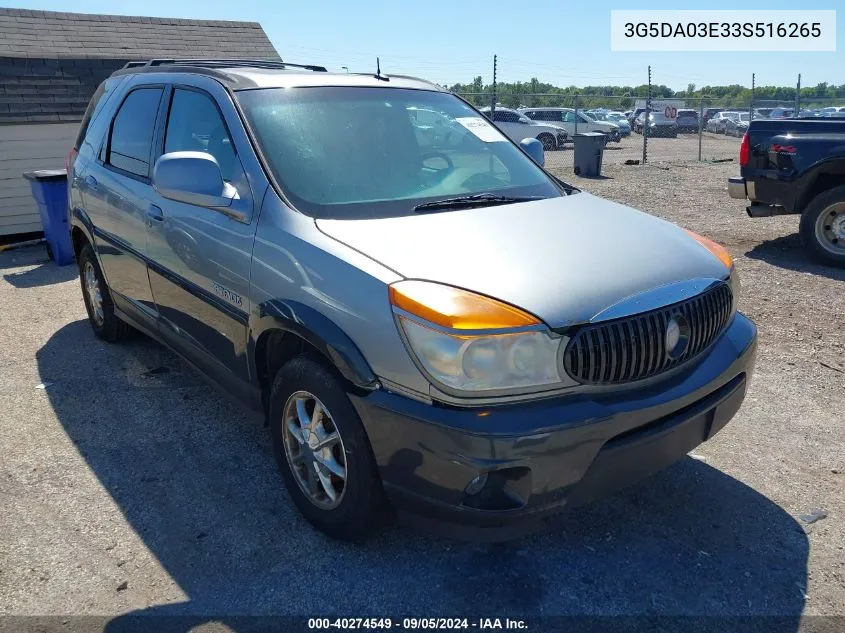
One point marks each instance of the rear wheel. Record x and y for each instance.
(322, 450)
(548, 142)
(823, 226)
(98, 301)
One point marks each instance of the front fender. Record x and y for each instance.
(319, 331)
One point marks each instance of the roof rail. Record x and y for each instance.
(224, 63)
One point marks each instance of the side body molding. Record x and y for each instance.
(319, 331)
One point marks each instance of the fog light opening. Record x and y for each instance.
(498, 490)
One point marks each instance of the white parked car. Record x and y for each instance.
(566, 117)
(516, 126)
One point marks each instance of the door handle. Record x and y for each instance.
(154, 214)
(91, 182)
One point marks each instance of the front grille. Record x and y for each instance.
(634, 348)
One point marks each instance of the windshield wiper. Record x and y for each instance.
(475, 200)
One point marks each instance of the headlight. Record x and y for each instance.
(470, 343)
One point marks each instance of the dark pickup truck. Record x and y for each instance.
(797, 166)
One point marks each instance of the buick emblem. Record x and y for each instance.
(677, 336)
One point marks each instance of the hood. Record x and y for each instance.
(547, 125)
(564, 259)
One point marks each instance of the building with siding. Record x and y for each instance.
(52, 62)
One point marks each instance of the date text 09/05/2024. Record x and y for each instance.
(416, 624)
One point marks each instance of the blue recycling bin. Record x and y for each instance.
(49, 188)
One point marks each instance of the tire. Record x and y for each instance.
(827, 209)
(548, 141)
(105, 323)
(352, 515)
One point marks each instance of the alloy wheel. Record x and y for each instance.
(94, 294)
(314, 450)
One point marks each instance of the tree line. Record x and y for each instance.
(537, 93)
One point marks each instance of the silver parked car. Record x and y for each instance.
(718, 123)
(421, 313)
(659, 125)
(738, 125)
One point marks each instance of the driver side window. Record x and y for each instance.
(194, 124)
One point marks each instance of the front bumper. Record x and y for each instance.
(663, 131)
(544, 456)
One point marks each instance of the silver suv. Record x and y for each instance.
(422, 314)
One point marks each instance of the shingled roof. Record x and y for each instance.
(51, 62)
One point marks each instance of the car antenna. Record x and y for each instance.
(378, 74)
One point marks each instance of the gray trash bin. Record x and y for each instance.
(589, 148)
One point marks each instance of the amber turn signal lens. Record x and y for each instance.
(719, 251)
(455, 308)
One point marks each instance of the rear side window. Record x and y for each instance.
(131, 138)
(504, 116)
(196, 125)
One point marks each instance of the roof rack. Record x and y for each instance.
(224, 63)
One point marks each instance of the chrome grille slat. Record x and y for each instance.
(698, 335)
(623, 350)
(649, 346)
(634, 348)
(642, 346)
(612, 345)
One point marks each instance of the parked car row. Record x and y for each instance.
(610, 116)
(573, 121)
(516, 126)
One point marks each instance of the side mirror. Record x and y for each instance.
(193, 178)
(534, 149)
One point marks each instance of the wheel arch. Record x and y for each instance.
(81, 231)
(280, 330)
(822, 176)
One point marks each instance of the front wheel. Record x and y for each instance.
(823, 227)
(322, 450)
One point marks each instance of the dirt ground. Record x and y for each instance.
(128, 486)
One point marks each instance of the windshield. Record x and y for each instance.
(375, 152)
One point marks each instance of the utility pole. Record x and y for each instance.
(493, 103)
(751, 105)
(645, 121)
(798, 96)
(700, 124)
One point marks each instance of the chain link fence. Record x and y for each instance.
(683, 129)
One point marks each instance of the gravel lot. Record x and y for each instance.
(129, 486)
